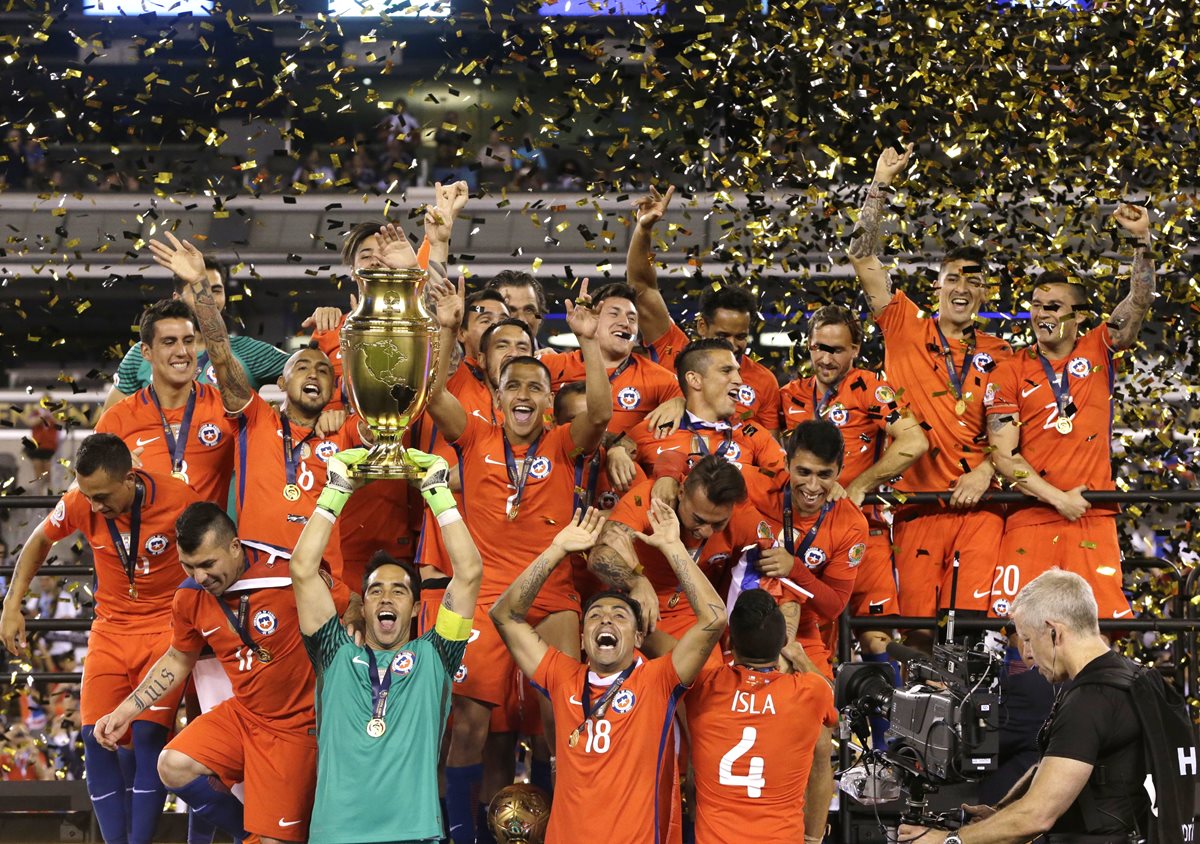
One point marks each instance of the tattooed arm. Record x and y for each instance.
(1127, 317)
(509, 613)
(1004, 438)
(467, 566)
(614, 560)
(866, 245)
(171, 669)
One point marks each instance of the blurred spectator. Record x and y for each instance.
(63, 746)
(448, 163)
(531, 166)
(20, 758)
(14, 169)
(569, 176)
(55, 650)
(396, 164)
(359, 174)
(402, 129)
(42, 442)
(313, 173)
(497, 154)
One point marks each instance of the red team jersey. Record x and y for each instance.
(638, 385)
(916, 366)
(758, 397)
(157, 572)
(208, 450)
(277, 694)
(753, 735)
(626, 752)
(264, 515)
(547, 502)
(1083, 456)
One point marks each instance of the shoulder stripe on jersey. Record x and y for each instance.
(243, 446)
(189, 584)
(260, 583)
(151, 486)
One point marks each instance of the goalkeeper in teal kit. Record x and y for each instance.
(382, 706)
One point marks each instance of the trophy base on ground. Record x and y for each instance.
(385, 462)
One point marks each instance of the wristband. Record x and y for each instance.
(333, 500)
(449, 517)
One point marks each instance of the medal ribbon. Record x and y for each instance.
(518, 479)
(380, 686)
(238, 622)
(702, 441)
(290, 452)
(177, 446)
(616, 373)
(201, 365)
(957, 379)
(129, 557)
(819, 406)
(788, 530)
(1060, 385)
(601, 706)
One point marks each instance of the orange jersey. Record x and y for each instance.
(862, 406)
(753, 735)
(916, 367)
(758, 397)
(157, 571)
(264, 514)
(44, 431)
(616, 750)
(1082, 456)
(208, 443)
(638, 385)
(827, 561)
(278, 692)
(547, 501)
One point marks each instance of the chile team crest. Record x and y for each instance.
(624, 701)
(265, 622)
(326, 449)
(540, 468)
(734, 452)
(209, 434)
(461, 674)
(1079, 367)
(814, 558)
(982, 362)
(837, 414)
(403, 663)
(746, 395)
(156, 544)
(629, 398)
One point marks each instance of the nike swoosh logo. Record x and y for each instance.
(986, 593)
(359, 661)
(879, 603)
(103, 796)
(487, 458)
(207, 633)
(1122, 613)
(575, 700)
(141, 442)
(670, 448)
(282, 822)
(1024, 393)
(794, 410)
(481, 416)
(159, 708)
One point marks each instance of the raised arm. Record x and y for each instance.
(449, 201)
(587, 429)
(908, 443)
(509, 613)
(614, 560)
(445, 409)
(186, 262)
(465, 560)
(171, 669)
(1127, 317)
(1004, 438)
(697, 643)
(866, 245)
(12, 620)
(654, 319)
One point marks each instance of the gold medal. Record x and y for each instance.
(180, 476)
(674, 600)
(133, 591)
(264, 655)
(376, 727)
(291, 492)
(574, 738)
(1064, 425)
(512, 513)
(960, 407)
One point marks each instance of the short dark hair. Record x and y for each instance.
(1082, 300)
(486, 339)
(210, 263)
(614, 290)
(197, 520)
(519, 278)
(574, 388)
(160, 310)
(818, 437)
(837, 315)
(620, 596)
(970, 254)
(481, 296)
(525, 360)
(355, 237)
(757, 630)
(721, 481)
(693, 353)
(726, 298)
(103, 451)
(383, 558)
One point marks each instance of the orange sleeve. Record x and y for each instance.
(898, 315)
(64, 520)
(1001, 394)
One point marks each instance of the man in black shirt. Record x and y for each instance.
(1087, 788)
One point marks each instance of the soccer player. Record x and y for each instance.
(281, 456)
(821, 543)
(710, 378)
(615, 711)
(716, 523)
(519, 483)
(638, 385)
(128, 518)
(237, 600)
(382, 706)
(177, 425)
(753, 731)
(261, 362)
(1050, 425)
(882, 440)
(726, 313)
(524, 295)
(942, 365)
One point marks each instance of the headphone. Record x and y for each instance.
(1053, 636)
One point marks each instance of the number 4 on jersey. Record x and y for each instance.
(754, 781)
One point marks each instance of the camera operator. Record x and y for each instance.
(1087, 788)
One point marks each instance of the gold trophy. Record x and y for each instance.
(389, 350)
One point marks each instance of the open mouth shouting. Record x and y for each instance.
(387, 619)
(523, 413)
(607, 643)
